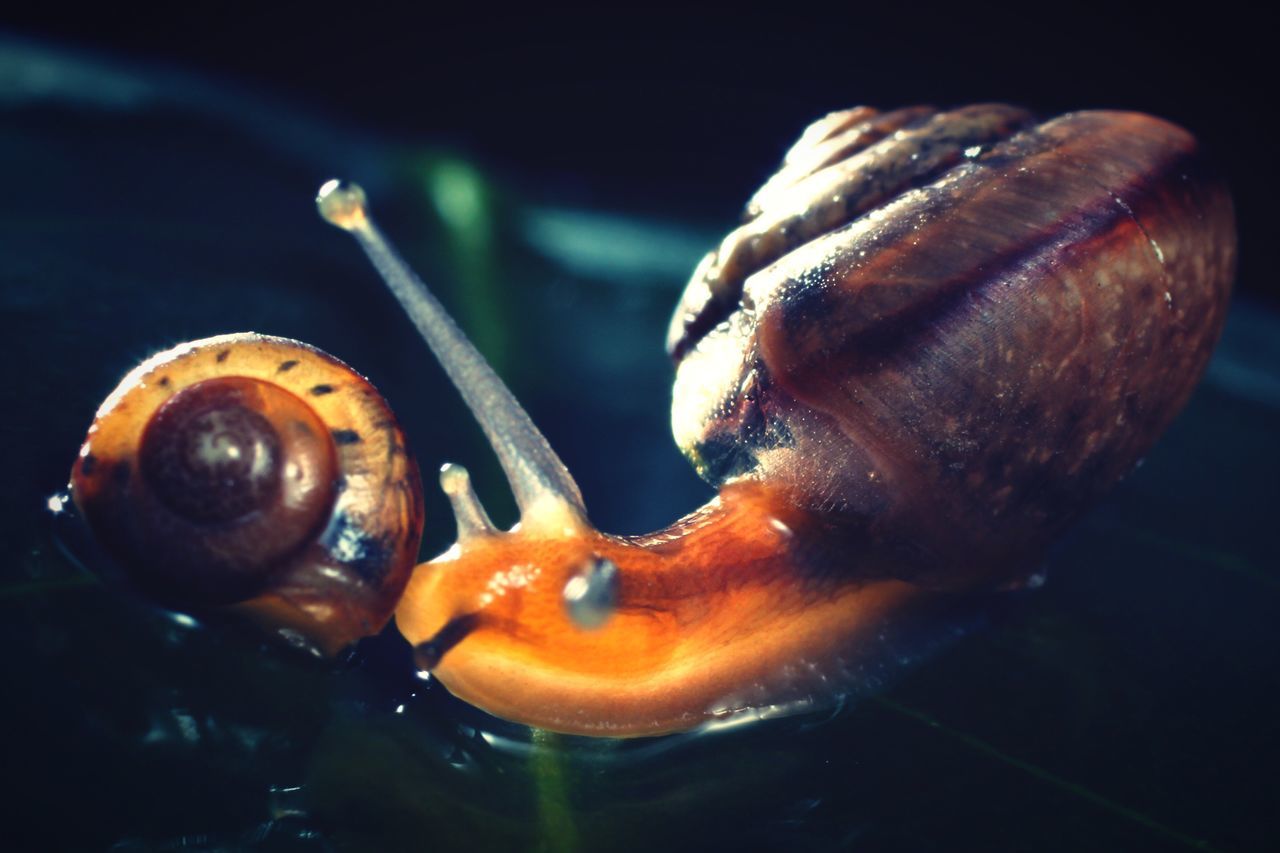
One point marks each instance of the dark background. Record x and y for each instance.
(646, 109)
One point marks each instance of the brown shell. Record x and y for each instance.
(327, 573)
(957, 329)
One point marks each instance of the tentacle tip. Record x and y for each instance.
(468, 512)
(454, 479)
(342, 203)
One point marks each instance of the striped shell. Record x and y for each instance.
(956, 329)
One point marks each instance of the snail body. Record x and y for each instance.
(935, 340)
(733, 608)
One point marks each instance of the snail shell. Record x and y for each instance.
(956, 328)
(256, 474)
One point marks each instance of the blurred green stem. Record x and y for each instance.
(556, 830)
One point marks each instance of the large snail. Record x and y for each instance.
(936, 339)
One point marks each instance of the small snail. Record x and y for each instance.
(936, 339)
(257, 474)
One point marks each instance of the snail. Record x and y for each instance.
(934, 341)
(258, 475)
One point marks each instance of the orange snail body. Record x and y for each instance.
(936, 339)
(736, 607)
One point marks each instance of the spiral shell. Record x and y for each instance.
(257, 474)
(958, 328)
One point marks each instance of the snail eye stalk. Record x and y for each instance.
(540, 483)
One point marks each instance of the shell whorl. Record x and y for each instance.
(958, 327)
